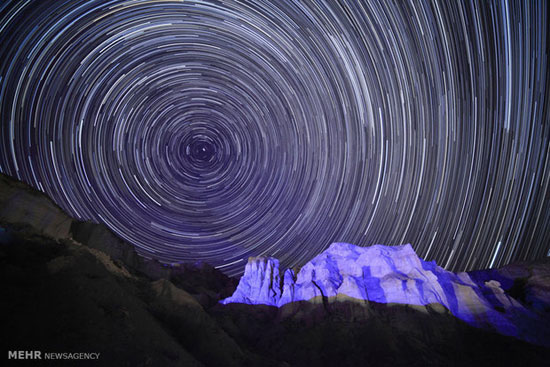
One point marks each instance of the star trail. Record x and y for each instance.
(217, 130)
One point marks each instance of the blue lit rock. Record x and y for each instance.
(383, 274)
(260, 283)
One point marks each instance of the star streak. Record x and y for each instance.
(216, 130)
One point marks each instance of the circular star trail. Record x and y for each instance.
(216, 130)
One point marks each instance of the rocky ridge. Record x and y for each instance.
(73, 286)
(388, 275)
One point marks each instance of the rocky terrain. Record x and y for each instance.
(72, 286)
(396, 275)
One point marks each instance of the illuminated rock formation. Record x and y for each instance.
(382, 274)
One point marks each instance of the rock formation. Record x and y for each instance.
(20, 204)
(381, 274)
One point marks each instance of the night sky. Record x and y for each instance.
(218, 130)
